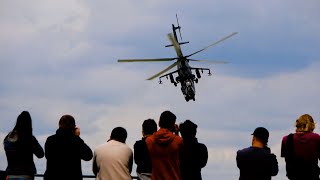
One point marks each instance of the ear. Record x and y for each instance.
(254, 139)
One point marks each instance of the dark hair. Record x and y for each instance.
(167, 120)
(149, 126)
(67, 122)
(188, 129)
(23, 126)
(119, 134)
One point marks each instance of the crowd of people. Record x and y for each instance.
(161, 154)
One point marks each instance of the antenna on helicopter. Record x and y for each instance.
(178, 26)
(174, 28)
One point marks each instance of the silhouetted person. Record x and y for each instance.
(20, 145)
(194, 155)
(301, 150)
(141, 153)
(257, 162)
(64, 152)
(113, 160)
(165, 148)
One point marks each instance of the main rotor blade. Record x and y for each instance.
(163, 71)
(213, 44)
(209, 61)
(175, 45)
(146, 60)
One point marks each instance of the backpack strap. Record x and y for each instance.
(290, 153)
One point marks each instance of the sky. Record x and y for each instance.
(60, 57)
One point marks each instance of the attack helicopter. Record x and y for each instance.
(185, 76)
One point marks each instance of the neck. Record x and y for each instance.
(258, 144)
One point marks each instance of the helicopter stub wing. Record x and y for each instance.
(214, 43)
(194, 68)
(175, 45)
(146, 60)
(171, 73)
(163, 71)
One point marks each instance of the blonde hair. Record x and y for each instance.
(305, 123)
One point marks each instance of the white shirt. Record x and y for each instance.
(113, 160)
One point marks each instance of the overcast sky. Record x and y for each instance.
(60, 57)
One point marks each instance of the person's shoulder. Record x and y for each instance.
(178, 139)
(310, 136)
(285, 137)
(34, 139)
(241, 153)
(128, 148)
(51, 137)
(314, 136)
(271, 155)
(102, 145)
(201, 145)
(244, 151)
(118, 144)
(149, 139)
(139, 142)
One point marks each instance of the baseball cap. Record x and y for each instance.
(261, 133)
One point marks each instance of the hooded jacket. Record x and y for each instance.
(165, 149)
(301, 155)
(64, 152)
(20, 154)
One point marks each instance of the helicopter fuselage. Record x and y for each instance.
(186, 79)
(188, 89)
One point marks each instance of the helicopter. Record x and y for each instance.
(185, 76)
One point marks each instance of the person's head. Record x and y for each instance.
(24, 124)
(188, 129)
(261, 134)
(119, 134)
(167, 120)
(67, 122)
(305, 123)
(149, 126)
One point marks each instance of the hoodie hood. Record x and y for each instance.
(163, 136)
(304, 137)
